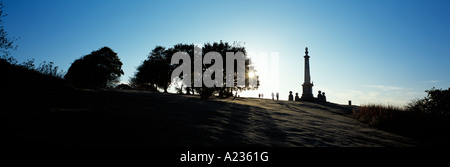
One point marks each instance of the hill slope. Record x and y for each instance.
(90, 118)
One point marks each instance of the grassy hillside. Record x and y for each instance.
(42, 111)
(109, 118)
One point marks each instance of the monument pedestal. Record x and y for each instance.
(307, 92)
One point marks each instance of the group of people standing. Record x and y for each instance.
(291, 97)
(320, 97)
(260, 95)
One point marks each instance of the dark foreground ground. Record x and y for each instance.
(92, 118)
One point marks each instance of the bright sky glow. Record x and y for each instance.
(367, 51)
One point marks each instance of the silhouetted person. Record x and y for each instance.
(296, 97)
(273, 96)
(259, 95)
(324, 98)
(291, 97)
(319, 96)
(278, 95)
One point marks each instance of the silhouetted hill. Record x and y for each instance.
(41, 111)
(20, 77)
(131, 118)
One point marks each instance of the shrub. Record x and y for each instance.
(426, 120)
(24, 76)
(378, 115)
(49, 69)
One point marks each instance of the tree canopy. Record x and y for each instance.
(102, 68)
(223, 48)
(154, 72)
(436, 103)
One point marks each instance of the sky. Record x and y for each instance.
(366, 51)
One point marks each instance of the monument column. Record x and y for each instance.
(307, 85)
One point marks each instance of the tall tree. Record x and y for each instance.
(155, 71)
(223, 48)
(102, 68)
(189, 49)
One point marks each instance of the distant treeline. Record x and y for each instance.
(156, 71)
(102, 69)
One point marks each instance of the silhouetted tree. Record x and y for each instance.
(437, 103)
(155, 72)
(6, 43)
(102, 68)
(189, 49)
(223, 48)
